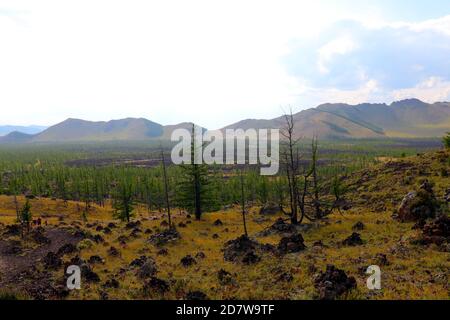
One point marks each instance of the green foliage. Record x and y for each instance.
(123, 201)
(446, 140)
(25, 213)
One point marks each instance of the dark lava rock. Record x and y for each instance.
(215, 236)
(138, 262)
(132, 224)
(148, 269)
(88, 274)
(419, 205)
(164, 223)
(95, 259)
(68, 248)
(98, 238)
(163, 252)
(164, 237)
(156, 285)
(112, 225)
(12, 247)
(13, 230)
(240, 249)
(437, 231)
(99, 228)
(196, 295)
(113, 252)
(279, 227)
(200, 255)
(111, 283)
(291, 244)
(218, 222)
(107, 230)
(359, 226)
(353, 240)
(135, 233)
(250, 258)
(148, 231)
(52, 261)
(38, 236)
(333, 283)
(270, 209)
(122, 239)
(285, 277)
(381, 259)
(182, 225)
(224, 277)
(188, 261)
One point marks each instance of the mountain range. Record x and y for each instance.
(409, 118)
(4, 130)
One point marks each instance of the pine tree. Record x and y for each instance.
(25, 215)
(123, 201)
(194, 187)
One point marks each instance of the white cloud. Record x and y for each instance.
(338, 46)
(430, 90)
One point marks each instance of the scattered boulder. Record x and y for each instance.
(218, 222)
(88, 274)
(381, 259)
(111, 283)
(437, 231)
(163, 252)
(107, 230)
(285, 277)
(38, 236)
(156, 285)
(419, 205)
(291, 244)
(333, 283)
(164, 224)
(200, 255)
(188, 261)
(148, 269)
(138, 262)
(132, 224)
(353, 240)
(279, 227)
(250, 257)
(52, 261)
(182, 225)
(12, 247)
(224, 277)
(113, 252)
(95, 259)
(196, 295)
(235, 250)
(68, 248)
(13, 230)
(270, 209)
(164, 237)
(112, 225)
(215, 236)
(359, 226)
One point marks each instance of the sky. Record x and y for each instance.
(215, 62)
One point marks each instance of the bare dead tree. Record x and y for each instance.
(291, 157)
(166, 187)
(243, 204)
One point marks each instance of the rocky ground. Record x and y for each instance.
(396, 217)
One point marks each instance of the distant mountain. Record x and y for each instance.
(407, 118)
(4, 130)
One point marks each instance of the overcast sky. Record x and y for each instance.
(215, 62)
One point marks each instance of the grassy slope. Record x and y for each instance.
(414, 272)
